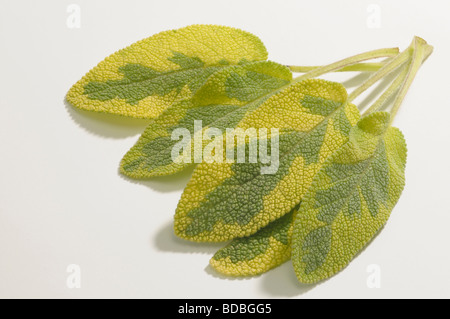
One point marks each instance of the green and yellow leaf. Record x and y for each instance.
(350, 199)
(258, 253)
(223, 201)
(221, 102)
(145, 78)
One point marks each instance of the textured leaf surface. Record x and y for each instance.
(266, 249)
(223, 100)
(228, 200)
(350, 199)
(145, 78)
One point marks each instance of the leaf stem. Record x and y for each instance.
(388, 92)
(359, 67)
(399, 60)
(421, 52)
(381, 53)
(410, 61)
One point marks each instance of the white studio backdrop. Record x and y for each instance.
(65, 209)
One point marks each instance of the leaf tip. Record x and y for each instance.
(375, 123)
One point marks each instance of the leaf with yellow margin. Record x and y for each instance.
(223, 201)
(145, 78)
(268, 248)
(350, 199)
(221, 103)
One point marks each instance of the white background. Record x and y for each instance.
(63, 202)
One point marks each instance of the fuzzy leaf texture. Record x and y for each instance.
(268, 248)
(221, 102)
(350, 199)
(147, 77)
(223, 201)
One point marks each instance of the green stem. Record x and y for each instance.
(384, 71)
(360, 67)
(421, 52)
(388, 93)
(412, 58)
(348, 62)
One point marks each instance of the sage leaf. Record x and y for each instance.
(350, 199)
(225, 200)
(145, 78)
(268, 248)
(222, 102)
